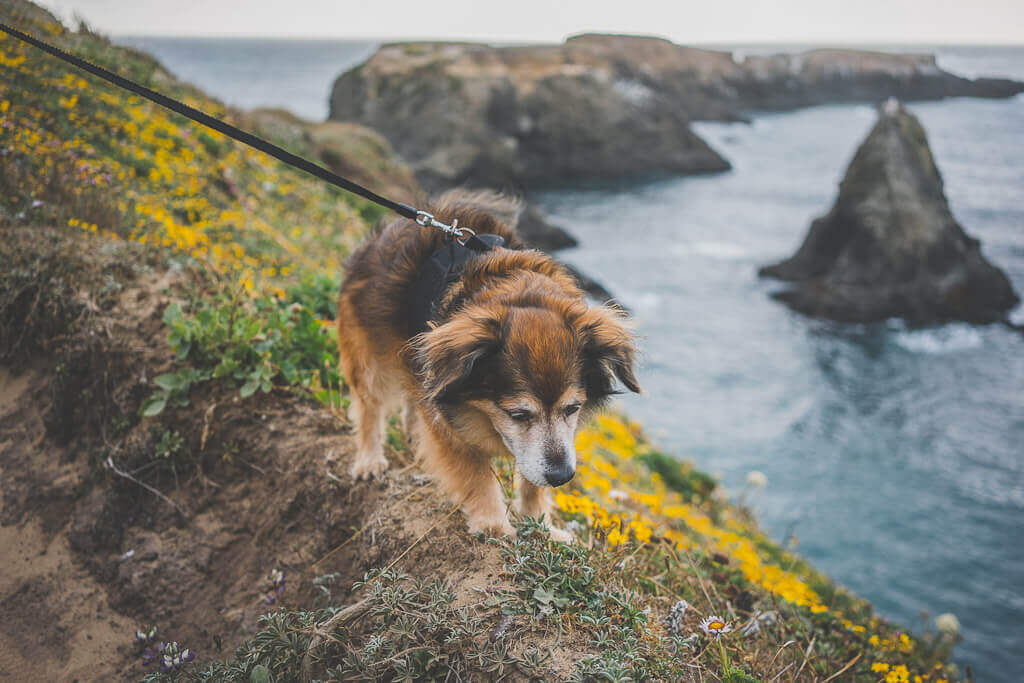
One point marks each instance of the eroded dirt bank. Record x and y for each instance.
(90, 554)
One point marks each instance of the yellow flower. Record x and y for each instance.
(879, 667)
(898, 674)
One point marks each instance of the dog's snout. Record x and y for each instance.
(559, 463)
(558, 474)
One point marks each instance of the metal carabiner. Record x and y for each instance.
(427, 220)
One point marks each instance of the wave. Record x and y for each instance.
(642, 302)
(946, 339)
(719, 251)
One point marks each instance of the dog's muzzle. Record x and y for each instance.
(556, 475)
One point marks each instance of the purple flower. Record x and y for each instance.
(173, 656)
(274, 587)
(146, 637)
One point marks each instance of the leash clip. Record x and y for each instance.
(427, 220)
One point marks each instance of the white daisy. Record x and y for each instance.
(715, 626)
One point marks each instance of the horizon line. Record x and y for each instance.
(503, 41)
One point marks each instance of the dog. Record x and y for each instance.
(512, 358)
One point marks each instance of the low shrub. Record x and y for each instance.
(257, 345)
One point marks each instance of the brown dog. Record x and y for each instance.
(511, 359)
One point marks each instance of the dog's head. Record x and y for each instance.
(527, 374)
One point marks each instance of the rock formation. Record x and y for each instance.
(601, 106)
(518, 117)
(890, 246)
(535, 230)
(789, 81)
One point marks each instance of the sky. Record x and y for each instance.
(706, 21)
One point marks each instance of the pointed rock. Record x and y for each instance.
(890, 246)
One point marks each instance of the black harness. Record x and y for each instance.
(443, 268)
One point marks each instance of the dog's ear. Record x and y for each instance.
(448, 353)
(608, 352)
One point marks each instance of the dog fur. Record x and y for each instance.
(514, 358)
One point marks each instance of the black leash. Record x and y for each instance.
(422, 217)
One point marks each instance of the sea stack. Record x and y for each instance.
(890, 246)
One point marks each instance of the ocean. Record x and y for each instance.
(894, 456)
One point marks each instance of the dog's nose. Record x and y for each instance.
(559, 474)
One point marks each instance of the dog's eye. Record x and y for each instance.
(572, 409)
(520, 415)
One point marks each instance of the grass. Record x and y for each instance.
(653, 532)
(37, 297)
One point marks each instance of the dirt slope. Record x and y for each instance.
(90, 555)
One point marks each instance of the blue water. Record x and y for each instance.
(895, 456)
(259, 72)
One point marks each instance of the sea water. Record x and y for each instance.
(894, 456)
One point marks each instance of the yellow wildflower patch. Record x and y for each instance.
(624, 505)
(150, 176)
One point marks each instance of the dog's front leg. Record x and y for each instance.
(467, 476)
(368, 415)
(534, 501)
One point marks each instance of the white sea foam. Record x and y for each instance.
(642, 302)
(718, 251)
(946, 339)
(1016, 316)
(722, 251)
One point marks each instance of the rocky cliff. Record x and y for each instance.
(601, 106)
(890, 245)
(519, 117)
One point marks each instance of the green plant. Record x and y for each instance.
(256, 345)
(317, 293)
(410, 630)
(550, 577)
(559, 582)
(419, 634)
(169, 445)
(170, 452)
(323, 584)
(678, 476)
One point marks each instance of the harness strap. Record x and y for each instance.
(439, 273)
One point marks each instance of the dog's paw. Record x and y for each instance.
(491, 528)
(368, 466)
(561, 535)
